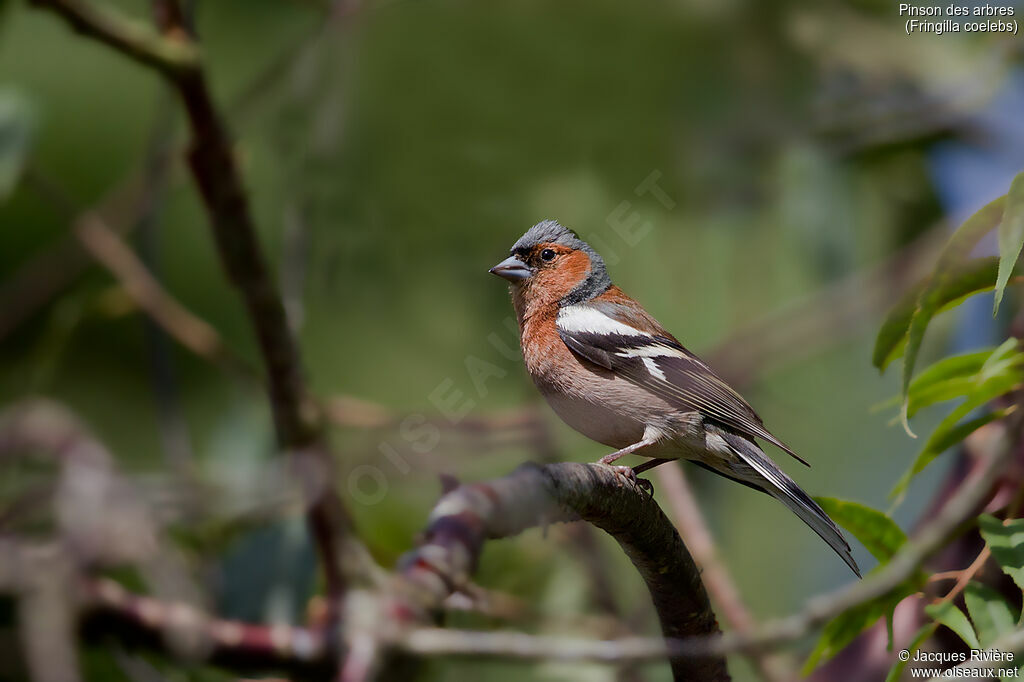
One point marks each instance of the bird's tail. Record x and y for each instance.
(769, 478)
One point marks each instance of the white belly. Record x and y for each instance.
(682, 435)
(595, 421)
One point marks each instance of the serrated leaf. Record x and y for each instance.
(975, 276)
(989, 611)
(947, 271)
(926, 631)
(948, 614)
(1011, 237)
(17, 121)
(876, 531)
(1007, 544)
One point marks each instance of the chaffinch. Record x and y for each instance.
(614, 374)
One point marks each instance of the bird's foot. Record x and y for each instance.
(630, 475)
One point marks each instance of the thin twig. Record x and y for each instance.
(108, 248)
(133, 38)
(215, 172)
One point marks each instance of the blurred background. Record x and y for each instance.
(766, 177)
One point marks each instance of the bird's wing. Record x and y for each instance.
(603, 335)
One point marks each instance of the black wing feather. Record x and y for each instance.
(687, 382)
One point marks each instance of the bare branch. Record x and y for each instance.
(46, 615)
(130, 37)
(538, 495)
(296, 418)
(523, 646)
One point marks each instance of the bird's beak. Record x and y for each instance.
(512, 269)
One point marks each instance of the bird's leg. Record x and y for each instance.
(608, 459)
(649, 464)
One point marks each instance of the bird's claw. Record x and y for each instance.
(631, 476)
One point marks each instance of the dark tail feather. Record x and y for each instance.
(780, 486)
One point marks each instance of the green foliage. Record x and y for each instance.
(943, 438)
(883, 538)
(926, 631)
(954, 278)
(876, 531)
(946, 273)
(17, 123)
(979, 378)
(991, 614)
(1006, 540)
(948, 614)
(990, 618)
(975, 276)
(845, 627)
(954, 377)
(1011, 236)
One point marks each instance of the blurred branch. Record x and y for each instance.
(106, 607)
(132, 38)
(955, 515)
(46, 274)
(215, 172)
(689, 521)
(523, 646)
(538, 495)
(171, 422)
(108, 248)
(46, 613)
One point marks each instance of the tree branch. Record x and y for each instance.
(689, 521)
(213, 166)
(130, 37)
(538, 495)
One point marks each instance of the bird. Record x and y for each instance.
(612, 372)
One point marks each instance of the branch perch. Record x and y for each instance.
(539, 495)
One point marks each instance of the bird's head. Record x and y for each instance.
(550, 264)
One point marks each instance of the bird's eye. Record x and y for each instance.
(547, 254)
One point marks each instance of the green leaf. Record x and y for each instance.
(989, 611)
(1002, 360)
(17, 122)
(947, 272)
(1006, 540)
(973, 277)
(1011, 236)
(872, 528)
(845, 627)
(947, 379)
(926, 631)
(1000, 371)
(948, 614)
(943, 438)
(842, 630)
